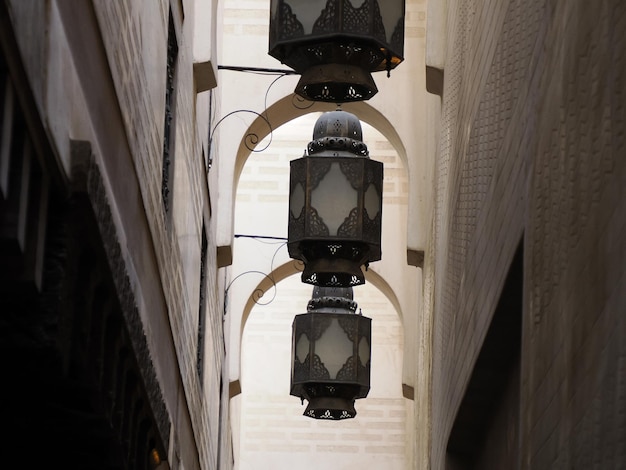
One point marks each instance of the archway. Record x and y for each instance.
(286, 110)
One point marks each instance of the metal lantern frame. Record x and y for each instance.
(335, 257)
(331, 390)
(335, 45)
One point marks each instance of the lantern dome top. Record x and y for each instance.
(338, 123)
(337, 133)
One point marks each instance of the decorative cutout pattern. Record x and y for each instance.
(318, 370)
(348, 229)
(348, 370)
(317, 172)
(317, 227)
(354, 20)
(290, 26)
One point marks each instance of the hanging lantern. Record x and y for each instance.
(335, 204)
(331, 354)
(336, 44)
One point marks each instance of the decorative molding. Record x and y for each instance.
(408, 392)
(415, 258)
(204, 76)
(434, 80)
(224, 256)
(234, 389)
(87, 178)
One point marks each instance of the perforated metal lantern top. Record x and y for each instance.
(331, 353)
(335, 204)
(337, 124)
(336, 44)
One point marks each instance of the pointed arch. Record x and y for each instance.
(284, 110)
(292, 267)
(267, 283)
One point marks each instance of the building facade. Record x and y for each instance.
(112, 332)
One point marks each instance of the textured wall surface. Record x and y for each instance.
(532, 148)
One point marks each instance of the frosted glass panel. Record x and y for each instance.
(391, 11)
(334, 198)
(364, 351)
(296, 201)
(302, 348)
(334, 348)
(307, 11)
(372, 201)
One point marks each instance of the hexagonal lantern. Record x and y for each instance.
(336, 44)
(331, 349)
(335, 204)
